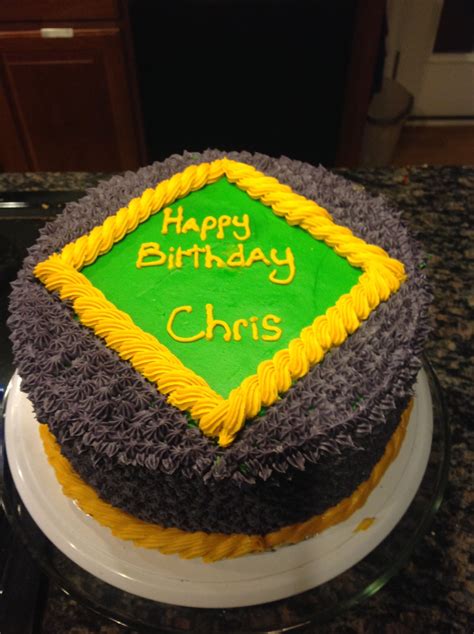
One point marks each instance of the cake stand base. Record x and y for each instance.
(333, 570)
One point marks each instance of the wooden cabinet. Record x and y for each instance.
(67, 102)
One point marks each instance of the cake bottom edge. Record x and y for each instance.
(211, 546)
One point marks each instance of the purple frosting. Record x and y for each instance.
(303, 454)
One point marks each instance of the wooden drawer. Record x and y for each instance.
(58, 10)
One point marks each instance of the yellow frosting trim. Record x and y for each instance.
(185, 389)
(210, 546)
(364, 525)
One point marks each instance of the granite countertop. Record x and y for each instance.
(434, 592)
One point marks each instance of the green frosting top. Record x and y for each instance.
(150, 294)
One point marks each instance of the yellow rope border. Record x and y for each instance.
(185, 389)
(210, 546)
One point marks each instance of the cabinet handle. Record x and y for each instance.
(54, 32)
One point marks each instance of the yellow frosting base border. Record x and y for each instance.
(218, 417)
(210, 546)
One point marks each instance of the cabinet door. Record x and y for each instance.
(69, 101)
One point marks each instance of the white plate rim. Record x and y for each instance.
(250, 580)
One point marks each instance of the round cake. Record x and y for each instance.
(222, 347)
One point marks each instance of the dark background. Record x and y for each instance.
(257, 75)
(109, 85)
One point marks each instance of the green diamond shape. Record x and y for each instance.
(150, 294)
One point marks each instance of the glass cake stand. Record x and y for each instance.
(316, 605)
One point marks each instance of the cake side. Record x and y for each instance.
(211, 546)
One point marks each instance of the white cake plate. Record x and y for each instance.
(250, 580)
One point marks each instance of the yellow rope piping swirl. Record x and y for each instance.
(219, 417)
(210, 546)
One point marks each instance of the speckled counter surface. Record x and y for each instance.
(435, 591)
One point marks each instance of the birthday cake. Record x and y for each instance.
(221, 349)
